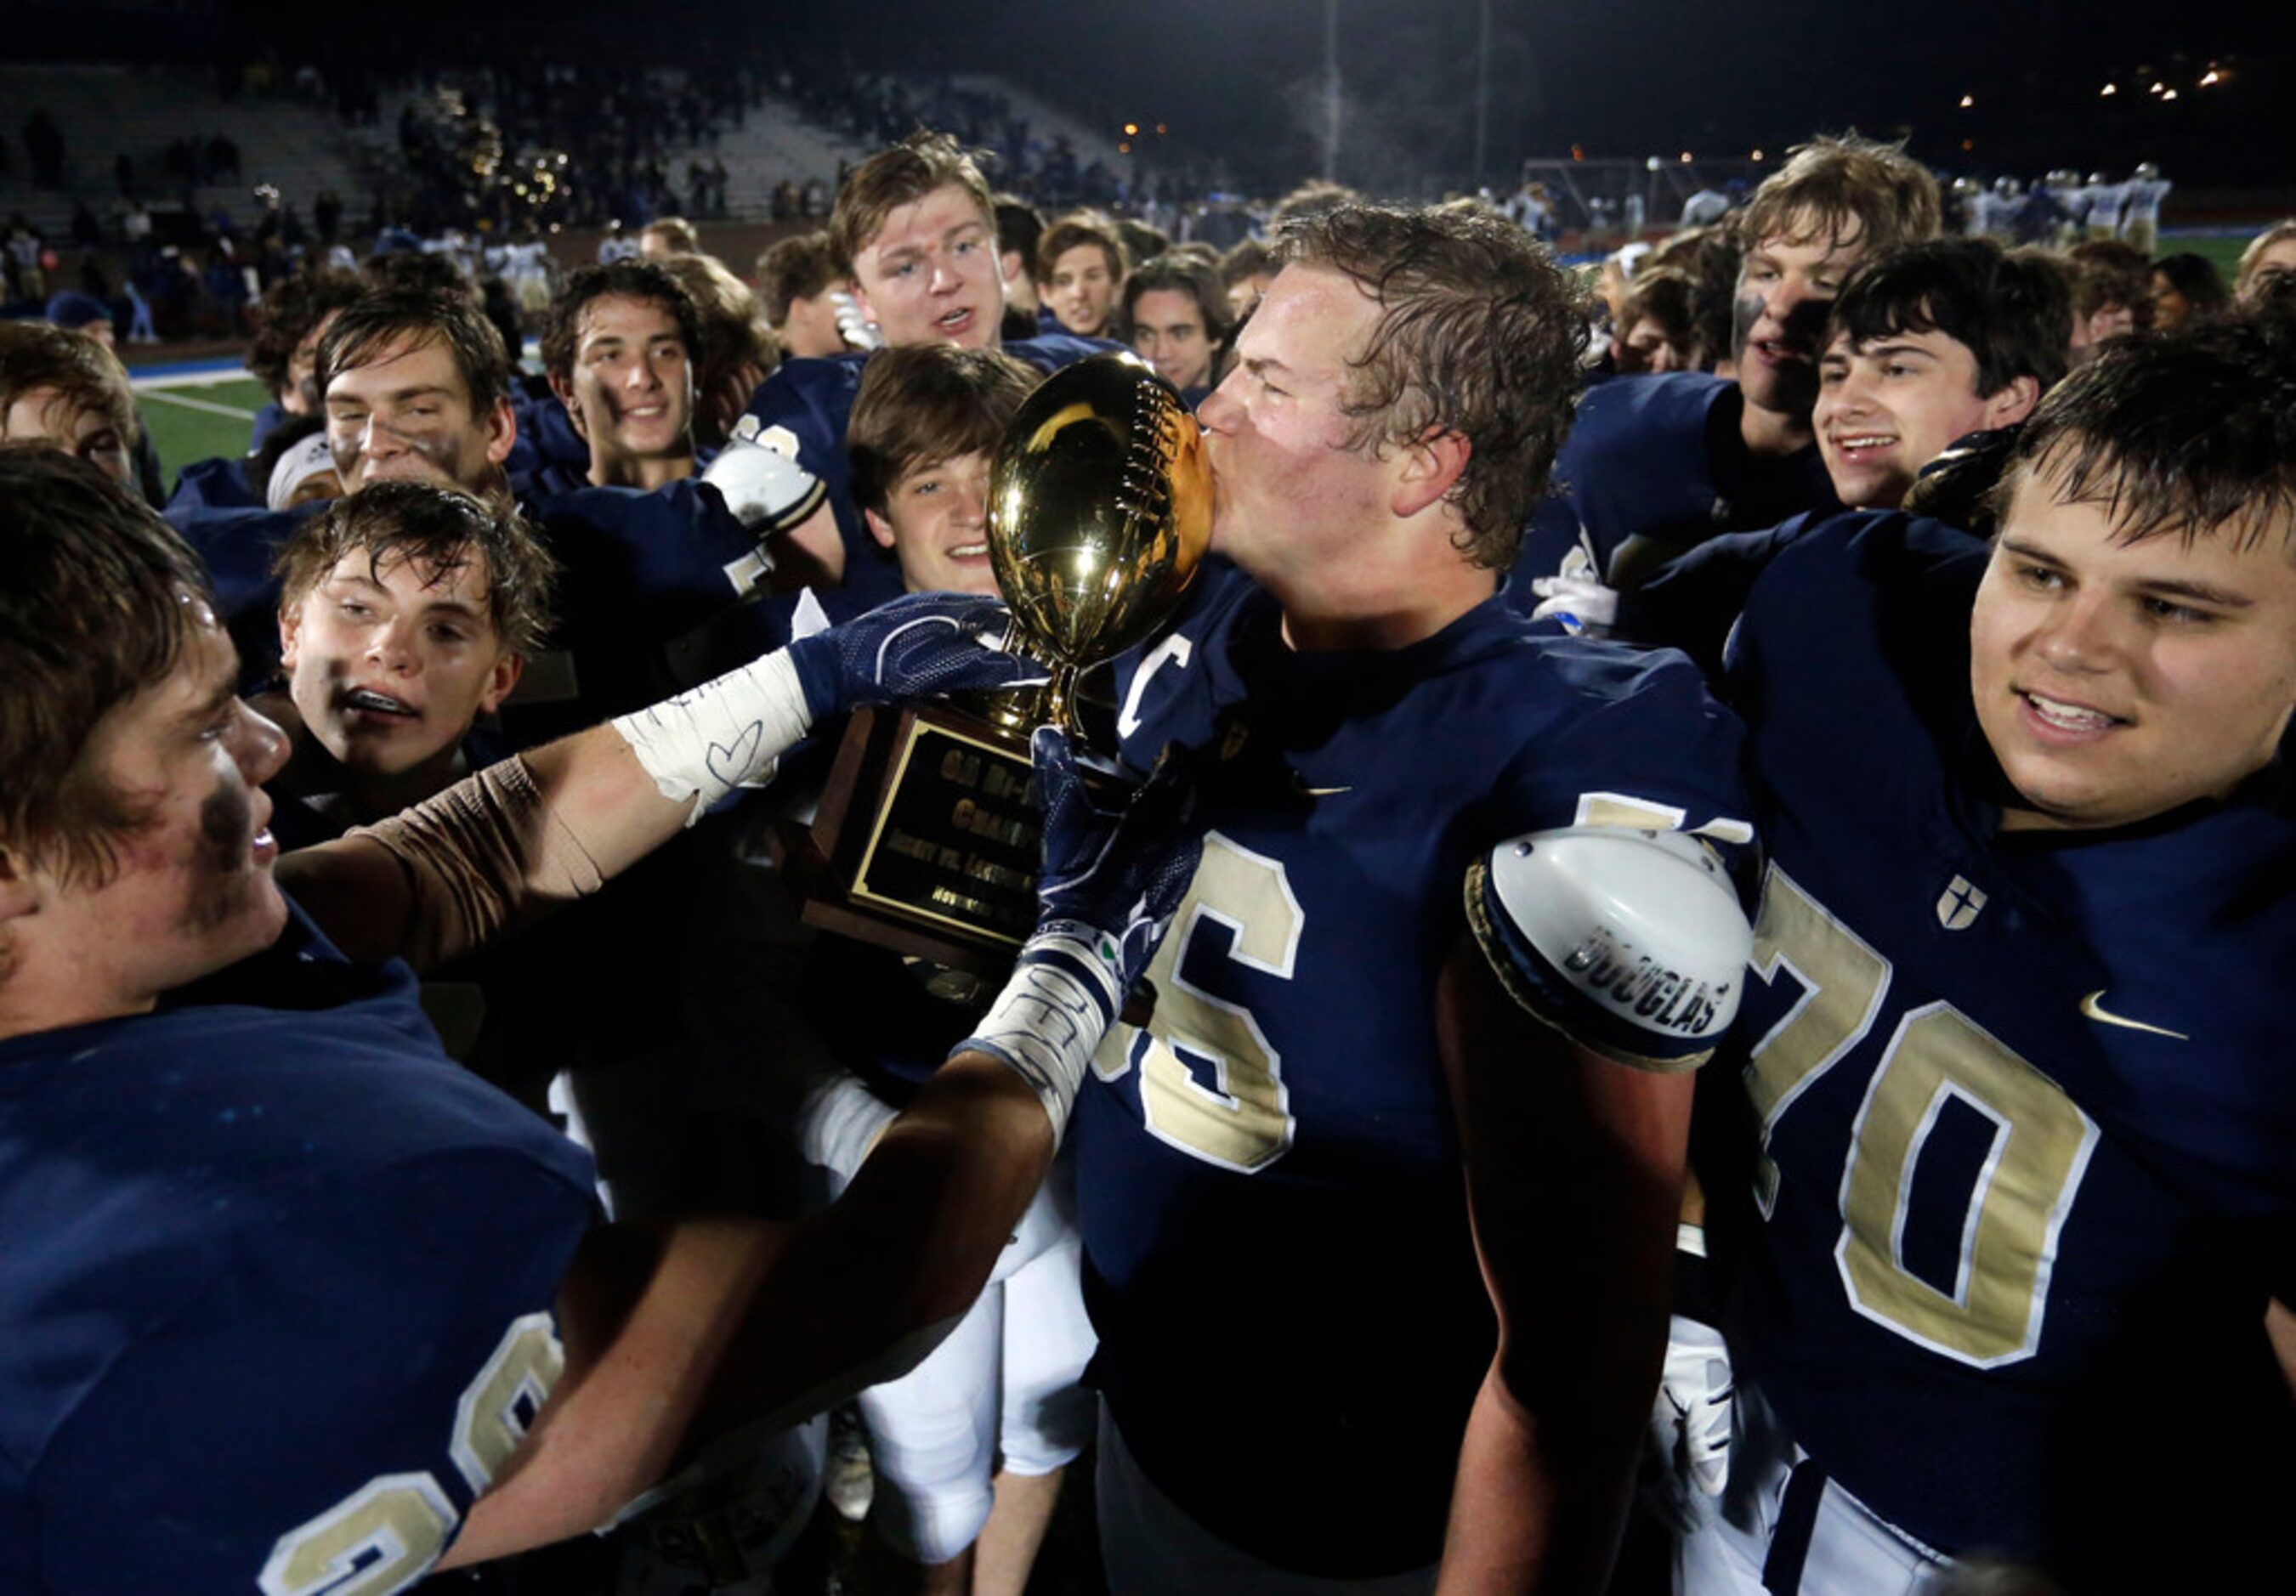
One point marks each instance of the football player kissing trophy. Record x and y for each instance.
(926, 839)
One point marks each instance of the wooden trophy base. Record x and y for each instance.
(926, 840)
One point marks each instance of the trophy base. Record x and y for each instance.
(926, 840)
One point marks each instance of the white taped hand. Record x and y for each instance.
(727, 733)
(1111, 883)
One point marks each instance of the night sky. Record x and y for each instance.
(1633, 78)
(1239, 82)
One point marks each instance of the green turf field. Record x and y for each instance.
(194, 422)
(2224, 252)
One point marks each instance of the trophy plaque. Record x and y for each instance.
(926, 840)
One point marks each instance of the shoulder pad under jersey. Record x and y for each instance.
(1632, 942)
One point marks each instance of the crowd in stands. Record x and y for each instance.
(1932, 538)
(835, 93)
(605, 136)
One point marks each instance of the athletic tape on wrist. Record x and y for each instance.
(723, 734)
(1045, 1023)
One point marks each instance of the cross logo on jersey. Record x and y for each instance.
(1957, 906)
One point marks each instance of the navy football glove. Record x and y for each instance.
(916, 646)
(700, 746)
(1111, 882)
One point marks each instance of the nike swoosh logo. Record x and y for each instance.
(1326, 791)
(2096, 1011)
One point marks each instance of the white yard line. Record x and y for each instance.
(209, 406)
(220, 373)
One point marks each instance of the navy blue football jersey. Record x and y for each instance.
(1658, 458)
(2022, 1123)
(812, 400)
(275, 1300)
(237, 546)
(266, 419)
(237, 543)
(638, 571)
(1292, 1326)
(1054, 348)
(217, 484)
(548, 455)
(1692, 602)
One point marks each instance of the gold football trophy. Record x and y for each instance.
(1100, 505)
(927, 838)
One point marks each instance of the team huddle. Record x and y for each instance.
(1711, 930)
